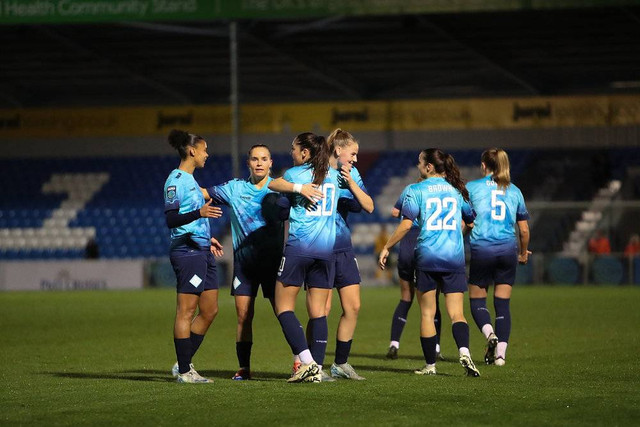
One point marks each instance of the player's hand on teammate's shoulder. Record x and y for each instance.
(208, 211)
(311, 193)
(216, 248)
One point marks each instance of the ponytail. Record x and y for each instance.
(445, 163)
(340, 138)
(180, 140)
(452, 175)
(497, 161)
(320, 161)
(319, 152)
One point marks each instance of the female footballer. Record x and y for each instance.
(353, 198)
(258, 237)
(495, 248)
(406, 274)
(308, 253)
(192, 253)
(440, 204)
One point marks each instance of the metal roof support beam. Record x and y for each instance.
(301, 28)
(178, 29)
(72, 44)
(490, 62)
(346, 84)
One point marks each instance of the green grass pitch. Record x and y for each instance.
(103, 358)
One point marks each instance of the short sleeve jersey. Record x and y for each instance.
(182, 193)
(343, 232)
(252, 228)
(312, 233)
(497, 211)
(398, 205)
(439, 209)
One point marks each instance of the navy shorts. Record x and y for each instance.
(485, 269)
(312, 272)
(195, 271)
(447, 281)
(406, 256)
(248, 278)
(346, 269)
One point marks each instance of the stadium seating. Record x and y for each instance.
(57, 205)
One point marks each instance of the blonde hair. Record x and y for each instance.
(340, 138)
(497, 161)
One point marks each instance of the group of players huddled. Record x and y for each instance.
(315, 196)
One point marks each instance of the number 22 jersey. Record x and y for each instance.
(439, 209)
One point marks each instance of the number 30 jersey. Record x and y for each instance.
(497, 211)
(312, 233)
(439, 209)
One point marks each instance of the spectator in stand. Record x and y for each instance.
(633, 247)
(599, 244)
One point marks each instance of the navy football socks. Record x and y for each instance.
(461, 334)
(320, 333)
(196, 340)
(293, 332)
(183, 353)
(399, 319)
(437, 321)
(429, 349)
(343, 348)
(243, 351)
(479, 311)
(503, 318)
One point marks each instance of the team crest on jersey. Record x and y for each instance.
(171, 192)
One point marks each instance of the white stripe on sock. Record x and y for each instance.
(487, 330)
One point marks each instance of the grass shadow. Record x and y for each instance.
(155, 375)
(383, 356)
(151, 376)
(403, 371)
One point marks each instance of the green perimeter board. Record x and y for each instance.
(99, 11)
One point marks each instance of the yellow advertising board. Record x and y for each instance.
(322, 117)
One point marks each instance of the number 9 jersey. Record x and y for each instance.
(439, 209)
(497, 211)
(312, 233)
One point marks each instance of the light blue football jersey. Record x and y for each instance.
(182, 192)
(248, 214)
(343, 232)
(398, 205)
(497, 211)
(313, 233)
(439, 209)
